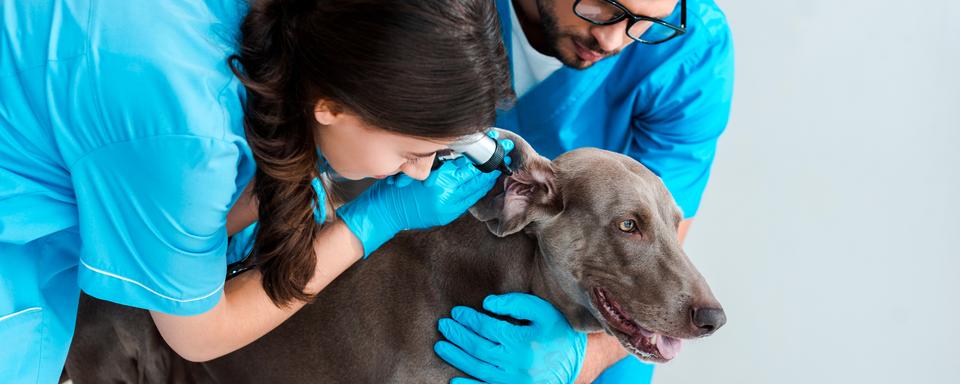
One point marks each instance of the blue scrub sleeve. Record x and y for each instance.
(152, 219)
(629, 370)
(676, 134)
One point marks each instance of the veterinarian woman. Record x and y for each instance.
(130, 150)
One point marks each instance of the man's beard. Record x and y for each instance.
(548, 21)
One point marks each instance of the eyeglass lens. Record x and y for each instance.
(603, 12)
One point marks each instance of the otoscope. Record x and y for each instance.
(484, 151)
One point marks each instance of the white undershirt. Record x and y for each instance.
(529, 66)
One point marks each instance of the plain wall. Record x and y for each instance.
(829, 228)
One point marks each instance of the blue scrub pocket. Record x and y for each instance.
(21, 336)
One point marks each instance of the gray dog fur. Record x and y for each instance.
(551, 230)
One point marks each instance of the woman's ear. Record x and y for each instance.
(326, 112)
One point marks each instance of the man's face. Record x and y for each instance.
(577, 43)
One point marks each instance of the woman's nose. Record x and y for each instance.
(419, 169)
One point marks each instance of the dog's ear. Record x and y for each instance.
(529, 195)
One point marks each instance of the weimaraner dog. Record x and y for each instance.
(593, 232)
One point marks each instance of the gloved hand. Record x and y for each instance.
(495, 351)
(400, 202)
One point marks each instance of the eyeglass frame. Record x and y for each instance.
(634, 18)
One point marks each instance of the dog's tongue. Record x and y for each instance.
(669, 347)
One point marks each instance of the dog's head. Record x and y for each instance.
(607, 233)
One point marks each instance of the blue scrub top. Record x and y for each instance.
(664, 105)
(122, 121)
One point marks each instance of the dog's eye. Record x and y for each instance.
(628, 226)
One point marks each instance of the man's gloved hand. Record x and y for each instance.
(495, 351)
(399, 202)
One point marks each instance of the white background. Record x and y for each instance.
(829, 228)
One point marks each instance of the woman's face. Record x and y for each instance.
(356, 150)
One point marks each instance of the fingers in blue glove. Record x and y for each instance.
(470, 342)
(551, 353)
(475, 196)
(461, 162)
(400, 180)
(521, 306)
(466, 363)
(480, 181)
(507, 145)
(464, 380)
(446, 167)
(472, 181)
(467, 171)
(492, 329)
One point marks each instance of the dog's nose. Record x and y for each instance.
(708, 320)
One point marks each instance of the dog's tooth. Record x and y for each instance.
(653, 339)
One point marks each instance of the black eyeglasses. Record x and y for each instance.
(647, 30)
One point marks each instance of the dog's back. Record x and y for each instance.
(120, 344)
(375, 323)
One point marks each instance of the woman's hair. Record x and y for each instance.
(425, 68)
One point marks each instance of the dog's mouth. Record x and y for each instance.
(645, 344)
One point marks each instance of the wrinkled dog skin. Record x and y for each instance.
(593, 232)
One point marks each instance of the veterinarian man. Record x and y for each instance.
(652, 79)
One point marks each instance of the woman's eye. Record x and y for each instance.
(415, 159)
(628, 226)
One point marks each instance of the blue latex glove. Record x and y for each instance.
(400, 202)
(495, 351)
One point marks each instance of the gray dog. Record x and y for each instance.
(593, 232)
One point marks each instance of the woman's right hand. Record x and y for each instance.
(398, 202)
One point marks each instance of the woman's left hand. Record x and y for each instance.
(244, 212)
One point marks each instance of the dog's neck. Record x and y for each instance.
(560, 288)
(475, 263)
